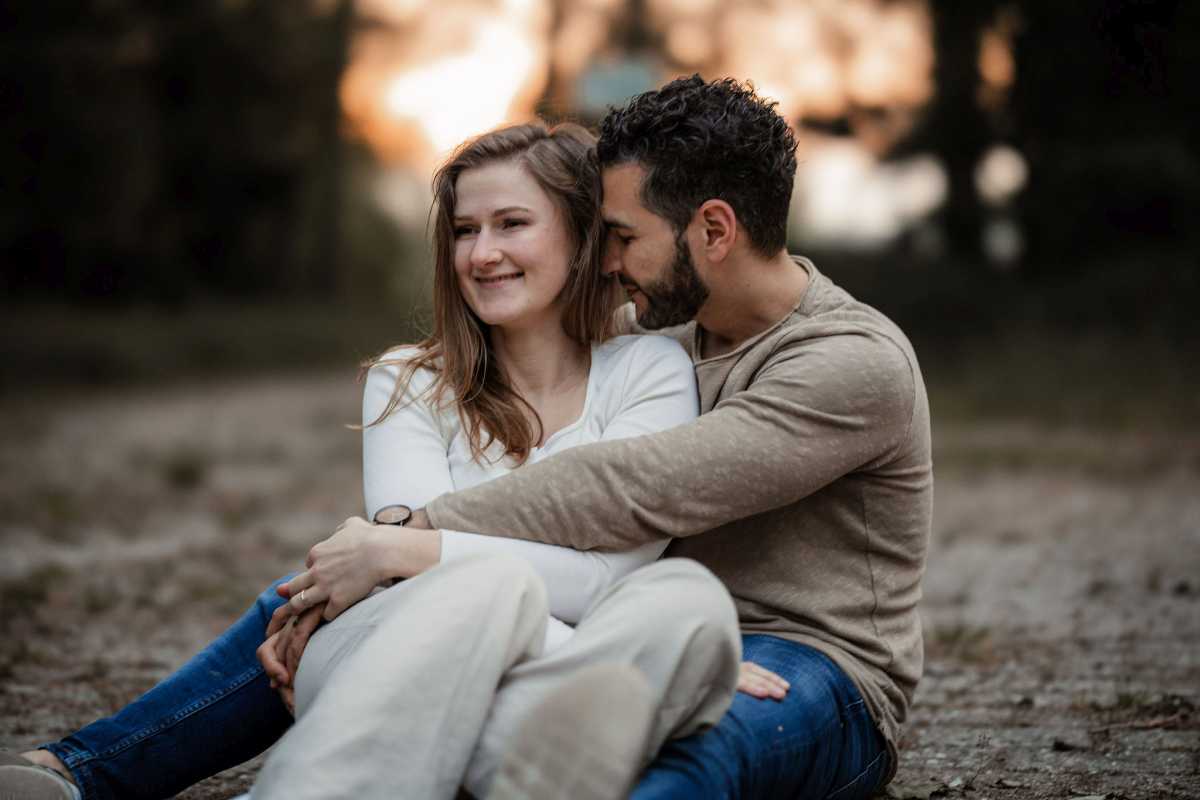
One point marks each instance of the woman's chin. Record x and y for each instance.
(500, 317)
(516, 319)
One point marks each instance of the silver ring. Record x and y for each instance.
(303, 601)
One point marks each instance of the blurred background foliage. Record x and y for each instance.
(229, 185)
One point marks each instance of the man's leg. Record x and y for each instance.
(673, 622)
(392, 697)
(819, 741)
(217, 711)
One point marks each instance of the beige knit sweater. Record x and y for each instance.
(806, 485)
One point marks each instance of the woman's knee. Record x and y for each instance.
(493, 580)
(685, 593)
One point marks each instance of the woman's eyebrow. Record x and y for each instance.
(497, 213)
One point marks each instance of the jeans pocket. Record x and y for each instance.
(864, 782)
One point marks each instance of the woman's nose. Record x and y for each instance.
(484, 251)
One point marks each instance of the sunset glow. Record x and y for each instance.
(424, 76)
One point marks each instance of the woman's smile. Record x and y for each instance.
(493, 281)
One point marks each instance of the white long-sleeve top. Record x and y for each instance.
(636, 385)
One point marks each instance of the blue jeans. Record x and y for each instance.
(216, 712)
(219, 711)
(818, 742)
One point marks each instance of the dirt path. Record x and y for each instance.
(1062, 601)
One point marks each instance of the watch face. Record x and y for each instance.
(393, 515)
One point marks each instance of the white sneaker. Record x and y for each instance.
(586, 741)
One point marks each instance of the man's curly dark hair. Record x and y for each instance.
(700, 140)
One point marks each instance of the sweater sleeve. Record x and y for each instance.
(657, 391)
(404, 456)
(816, 410)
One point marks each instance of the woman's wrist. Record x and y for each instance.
(405, 552)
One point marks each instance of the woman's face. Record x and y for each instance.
(511, 247)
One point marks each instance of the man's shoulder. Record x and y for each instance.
(833, 319)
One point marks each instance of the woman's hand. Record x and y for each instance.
(759, 682)
(344, 568)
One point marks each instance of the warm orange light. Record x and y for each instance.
(463, 94)
(431, 73)
(447, 71)
(996, 64)
(893, 61)
(690, 43)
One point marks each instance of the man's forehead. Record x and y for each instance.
(625, 177)
(622, 194)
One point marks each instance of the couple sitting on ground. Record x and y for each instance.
(773, 445)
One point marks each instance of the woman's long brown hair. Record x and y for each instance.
(459, 351)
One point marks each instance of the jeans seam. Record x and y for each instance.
(856, 778)
(181, 715)
(76, 762)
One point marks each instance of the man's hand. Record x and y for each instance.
(761, 683)
(273, 666)
(302, 630)
(280, 653)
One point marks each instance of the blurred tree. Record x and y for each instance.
(1105, 111)
(153, 150)
(956, 124)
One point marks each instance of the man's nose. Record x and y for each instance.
(610, 263)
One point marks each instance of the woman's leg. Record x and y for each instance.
(391, 695)
(674, 623)
(818, 742)
(217, 711)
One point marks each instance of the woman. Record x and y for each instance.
(513, 372)
(520, 366)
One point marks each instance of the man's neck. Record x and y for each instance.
(746, 299)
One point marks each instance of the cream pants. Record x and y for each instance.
(418, 689)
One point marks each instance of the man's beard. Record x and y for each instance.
(676, 297)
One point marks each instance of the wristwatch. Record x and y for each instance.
(393, 515)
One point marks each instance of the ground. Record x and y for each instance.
(1061, 610)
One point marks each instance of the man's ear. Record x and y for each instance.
(718, 226)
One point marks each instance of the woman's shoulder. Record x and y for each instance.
(397, 364)
(640, 349)
(398, 359)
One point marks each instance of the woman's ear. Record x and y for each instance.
(718, 226)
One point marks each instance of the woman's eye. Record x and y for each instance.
(463, 230)
(514, 223)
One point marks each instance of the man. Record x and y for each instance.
(806, 483)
